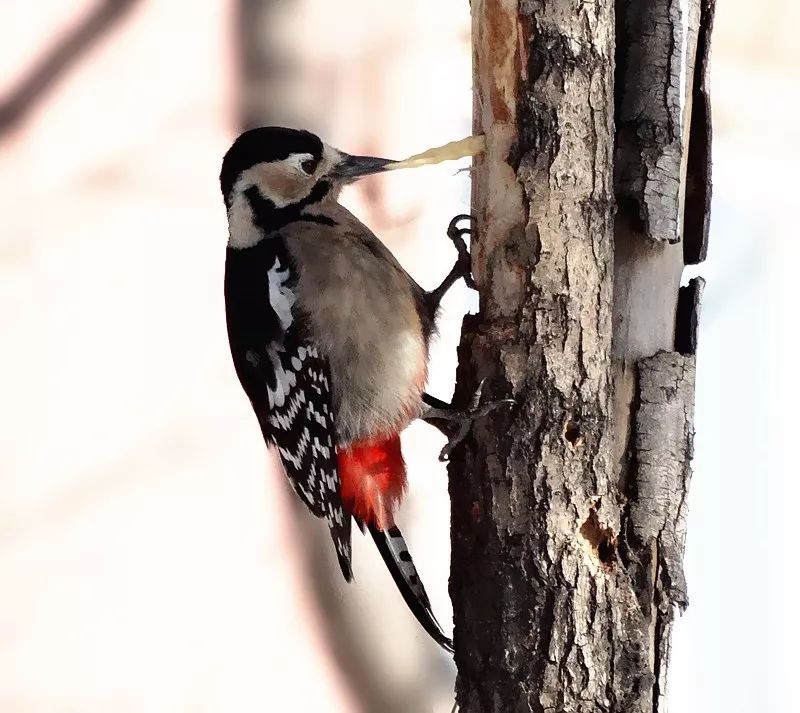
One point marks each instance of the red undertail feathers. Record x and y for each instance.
(373, 477)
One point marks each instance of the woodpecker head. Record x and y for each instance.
(289, 167)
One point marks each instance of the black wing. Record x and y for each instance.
(287, 380)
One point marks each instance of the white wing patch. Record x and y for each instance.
(281, 298)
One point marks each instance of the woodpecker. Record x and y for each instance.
(329, 337)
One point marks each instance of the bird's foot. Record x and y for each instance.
(463, 267)
(456, 235)
(456, 423)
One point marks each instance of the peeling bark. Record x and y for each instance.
(656, 42)
(687, 317)
(569, 509)
(697, 210)
(655, 527)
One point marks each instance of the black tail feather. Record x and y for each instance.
(340, 534)
(345, 566)
(393, 549)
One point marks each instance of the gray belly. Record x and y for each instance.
(364, 317)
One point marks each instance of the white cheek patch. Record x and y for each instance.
(242, 229)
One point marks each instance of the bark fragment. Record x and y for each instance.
(656, 43)
(655, 533)
(687, 318)
(697, 211)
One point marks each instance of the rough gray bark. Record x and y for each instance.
(569, 510)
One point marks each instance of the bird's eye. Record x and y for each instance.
(309, 165)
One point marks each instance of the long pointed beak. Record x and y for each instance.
(351, 167)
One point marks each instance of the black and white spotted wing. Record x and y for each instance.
(303, 430)
(286, 379)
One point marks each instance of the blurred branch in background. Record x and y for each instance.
(311, 64)
(260, 64)
(262, 99)
(64, 53)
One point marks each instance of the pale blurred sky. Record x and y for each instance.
(147, 559)
(734, 649)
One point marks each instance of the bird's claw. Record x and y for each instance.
(465, 425)
(463, 418)
(456, 235)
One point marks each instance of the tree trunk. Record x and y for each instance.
(569, 509)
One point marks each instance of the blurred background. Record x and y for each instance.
(151, 557)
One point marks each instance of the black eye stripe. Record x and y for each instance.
(309, 165)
